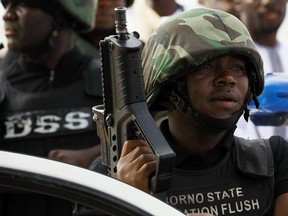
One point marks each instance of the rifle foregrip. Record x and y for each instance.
(127, 72)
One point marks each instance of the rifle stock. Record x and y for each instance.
(124, 114)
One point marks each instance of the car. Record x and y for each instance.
(79, 185)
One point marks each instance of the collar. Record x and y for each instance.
(185, 160)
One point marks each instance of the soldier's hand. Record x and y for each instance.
(136, 164)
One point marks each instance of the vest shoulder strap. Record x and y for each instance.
(254, 157)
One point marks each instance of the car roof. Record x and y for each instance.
(77, 184)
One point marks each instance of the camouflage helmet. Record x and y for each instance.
(83, 11)
(186, 41)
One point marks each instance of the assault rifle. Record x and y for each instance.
(124, 114)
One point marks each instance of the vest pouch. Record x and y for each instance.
(254, 157)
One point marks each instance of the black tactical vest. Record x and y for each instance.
(242, 184)
(56, 113)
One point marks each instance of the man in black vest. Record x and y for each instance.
(203, 68)
(47, 92)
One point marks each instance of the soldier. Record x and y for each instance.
(48, 92)
(203, 68)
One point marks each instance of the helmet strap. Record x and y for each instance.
(251, 95)
(212, 124)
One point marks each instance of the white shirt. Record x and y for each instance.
(268, 55)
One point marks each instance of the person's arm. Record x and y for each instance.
(136, 164)
(281, 205)
(81, 157)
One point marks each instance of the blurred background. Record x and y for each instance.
(282, 33)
